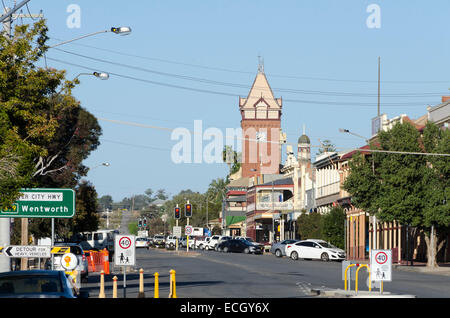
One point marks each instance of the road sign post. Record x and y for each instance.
(125, 255)
(381, 266)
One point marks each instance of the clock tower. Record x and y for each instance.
(261, 128)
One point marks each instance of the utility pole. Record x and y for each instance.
(379, 72)
(5, 223)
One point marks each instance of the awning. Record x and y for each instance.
(232, 219)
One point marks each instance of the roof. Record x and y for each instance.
(304, 139)
(284, 181)
(241, 182)
(260, 92)
(351, 153)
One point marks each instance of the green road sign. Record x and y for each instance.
(42, 203)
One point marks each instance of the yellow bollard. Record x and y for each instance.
(115, 287)
(102, 285)
(356, 282)
(141, 284)
(156, 285)
(173, 285)
(345, 277)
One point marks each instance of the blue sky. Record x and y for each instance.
(319, 48)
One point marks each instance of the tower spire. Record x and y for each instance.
(260, 64)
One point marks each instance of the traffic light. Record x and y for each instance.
(140, 222)
(177, 213)
(145, 222)
(188, 210)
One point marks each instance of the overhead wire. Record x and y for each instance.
(281, 90)
(418, 104)
(251, 73)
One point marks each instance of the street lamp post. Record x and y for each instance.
(124, 30)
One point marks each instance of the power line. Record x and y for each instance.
(281, 90)
(251, 73)
(276, 142)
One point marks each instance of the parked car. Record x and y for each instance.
(197, 242)
(221, 240)
(249, 239)
(239, 246)
(314, 249)
(171, 242)
(212, 242)
(279, 248)
(77, 250)
(141, 242)
(204, 244)
(159, 241)
(37, 284)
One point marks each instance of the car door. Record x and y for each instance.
(306, 250)
(316, 250)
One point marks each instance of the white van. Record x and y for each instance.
(98, 240)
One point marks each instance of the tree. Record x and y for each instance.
(105, 202)
(44, 133)
(86, 217)
(26, 125)
(410, 189)
(333, 226)
(310, 226)
(326, 146)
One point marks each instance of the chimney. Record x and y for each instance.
(445, 99)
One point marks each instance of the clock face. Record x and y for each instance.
(261, 135)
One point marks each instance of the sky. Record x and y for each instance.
(191, 60)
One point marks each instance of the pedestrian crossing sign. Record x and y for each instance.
(381, 265)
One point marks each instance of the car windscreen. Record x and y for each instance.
(30, 284)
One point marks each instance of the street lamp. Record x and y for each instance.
(124, 30)
(342, 130)
(106, 164)
(101, 75)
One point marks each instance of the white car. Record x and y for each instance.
(141, 242)
(314, 249)
(212, 242)
(221, 240)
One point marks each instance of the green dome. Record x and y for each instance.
(303, 139)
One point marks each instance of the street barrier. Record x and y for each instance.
(356, 282)
(98, 261)
(102, 285)
(359, 266)
(172, 293)
(115, 287)
(173, 287)
(156, 293)
(141, 284)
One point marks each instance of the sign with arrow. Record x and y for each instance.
(19, 251)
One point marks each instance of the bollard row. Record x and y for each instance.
(172, 293)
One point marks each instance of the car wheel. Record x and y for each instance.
(225, 249)
(247, 251)
(294, 255)
(324, 257)
(278, 253)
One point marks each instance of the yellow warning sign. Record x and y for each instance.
(60, 249)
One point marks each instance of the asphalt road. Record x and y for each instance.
(209, 274)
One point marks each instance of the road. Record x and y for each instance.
(209, 274)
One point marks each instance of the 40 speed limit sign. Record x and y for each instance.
(381, 265)
(125, 250)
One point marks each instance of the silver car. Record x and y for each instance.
(82, 264)
(279, 248)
